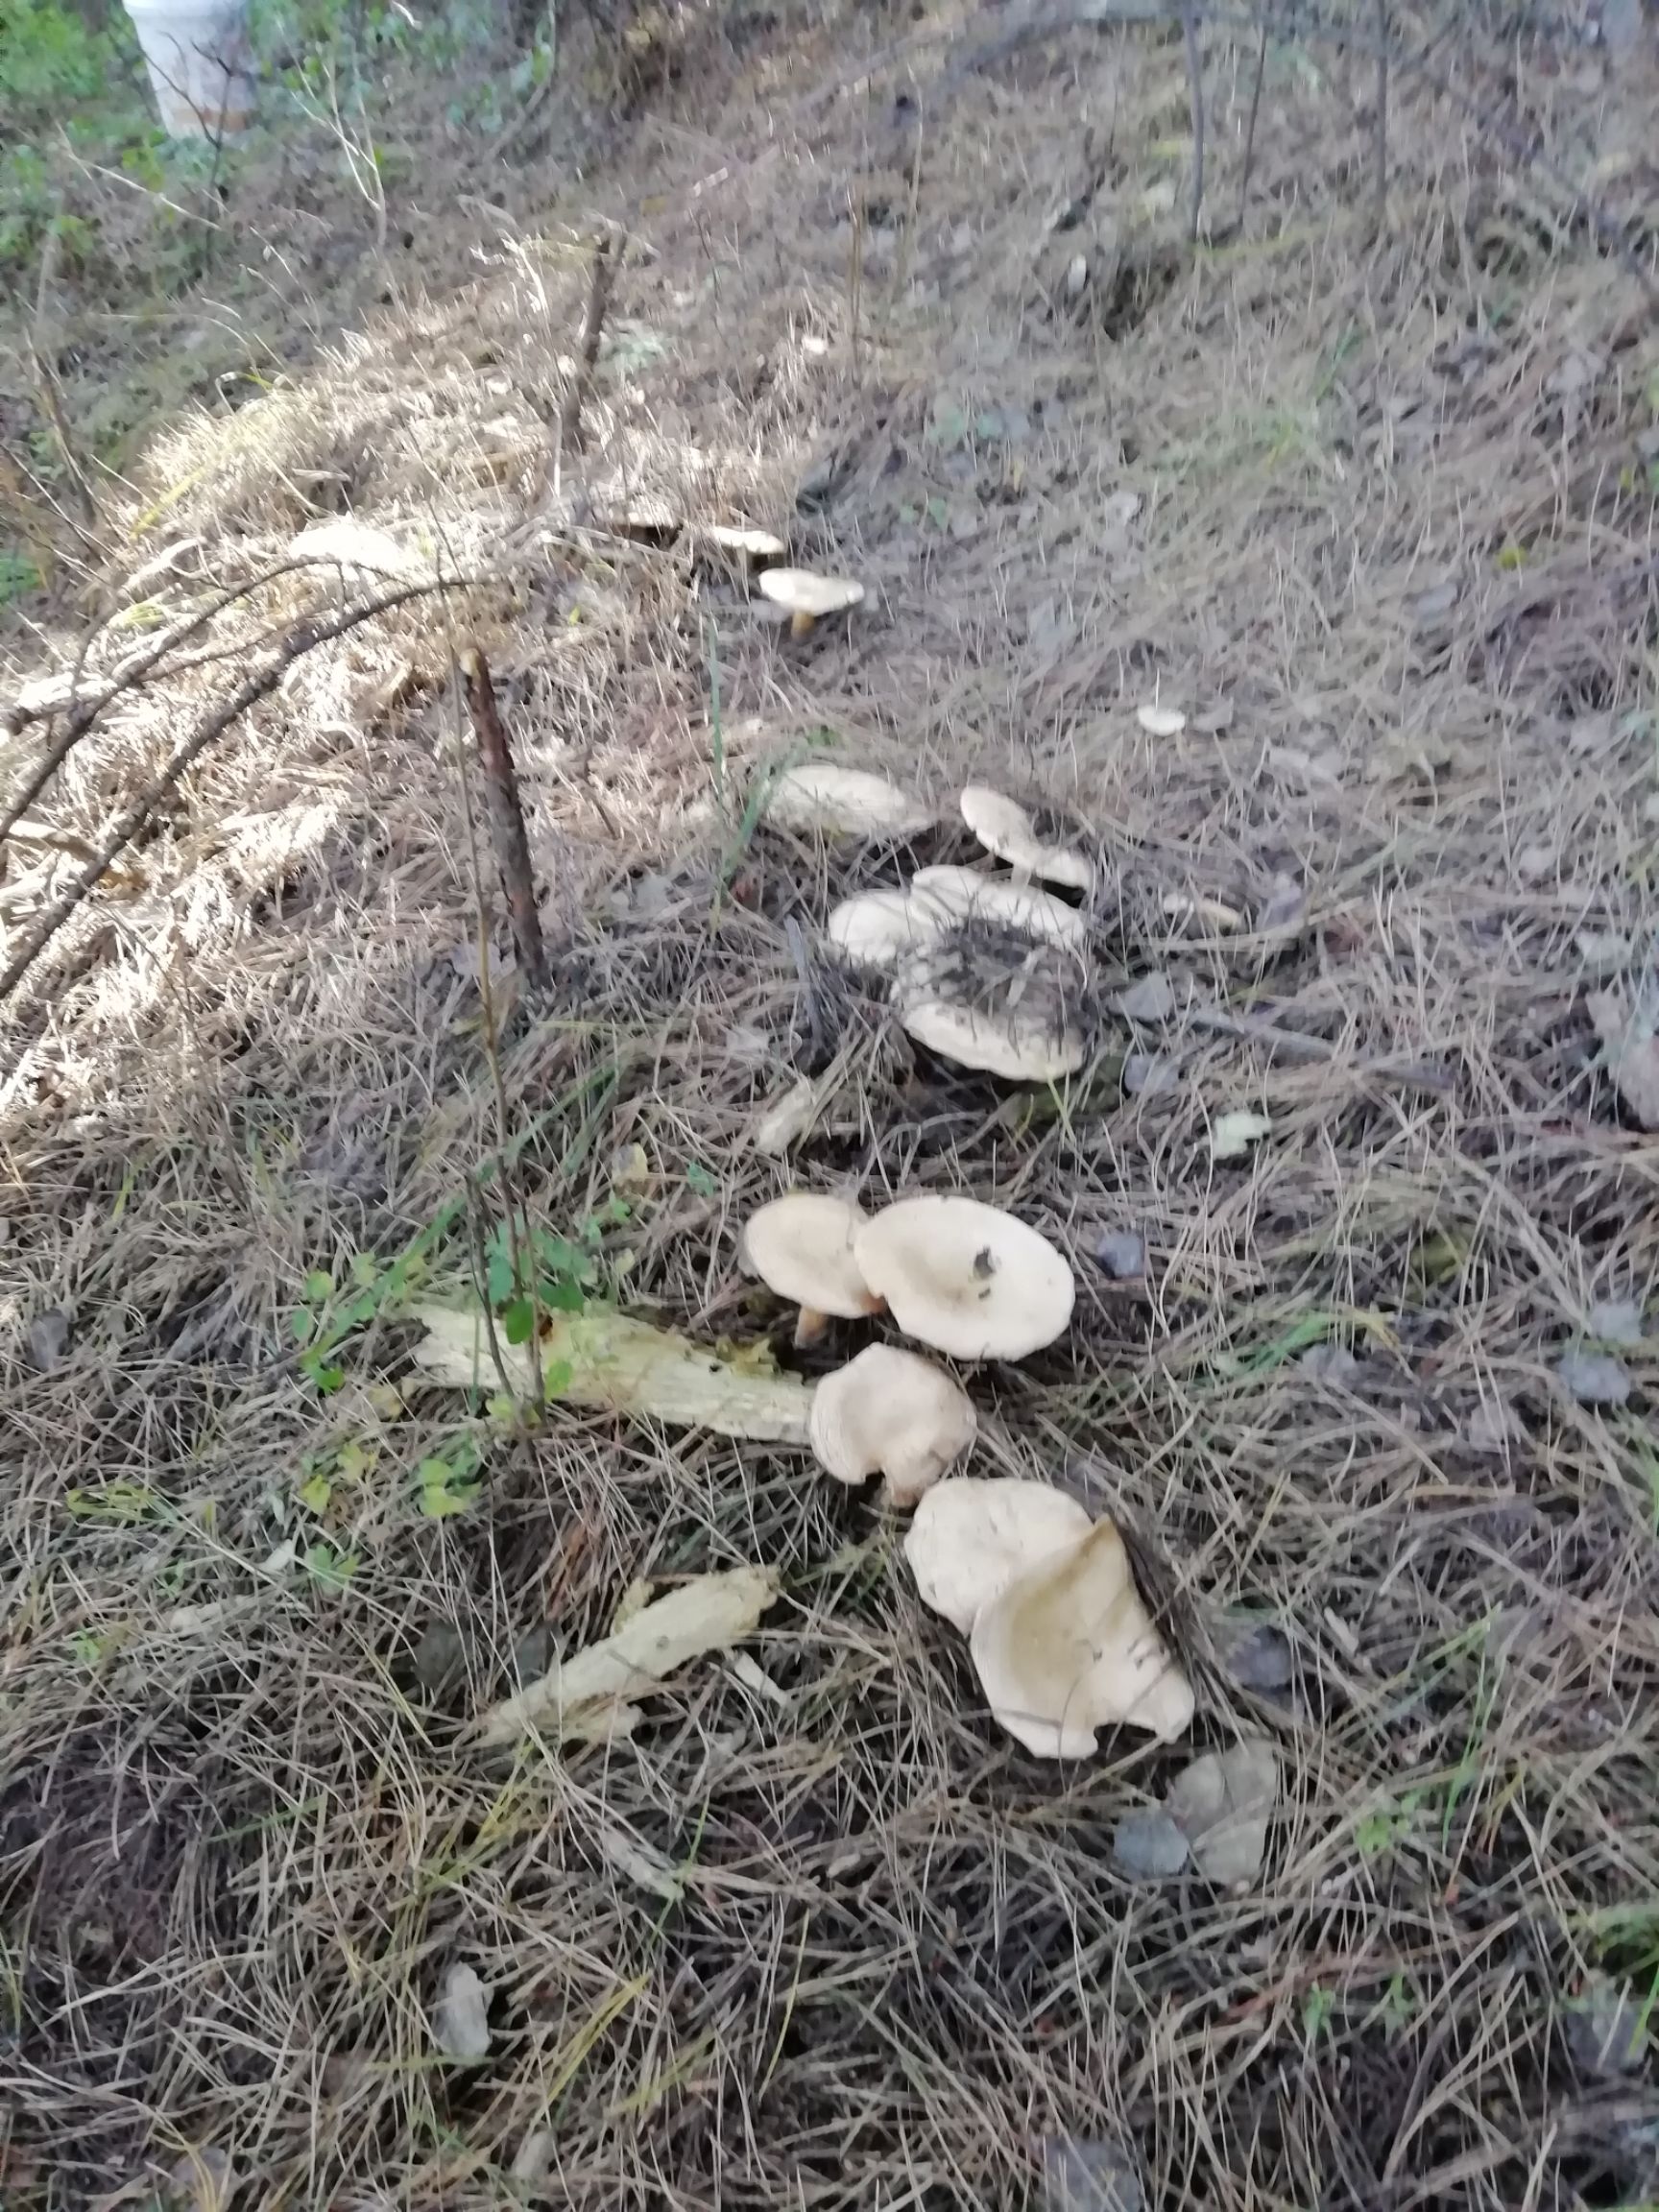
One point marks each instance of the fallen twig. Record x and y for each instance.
(607, 258)
(1250, 129)
(304, 640)
(1196, 100)
(506, 833)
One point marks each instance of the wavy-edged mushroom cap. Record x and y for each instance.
(807, 596)
(802, 1246)
(991, 999)
(966, 1279)
(844, 803)
(878, 929)
(1005, 828)
(893, 1413)
(1069, 1647)
(971, 896)
(973, 1535)
(742, 538)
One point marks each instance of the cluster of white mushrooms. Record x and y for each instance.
(987, 970)
(1057, 1631)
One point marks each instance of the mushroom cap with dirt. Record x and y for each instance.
(806, 596)
(992, 1000)
(1008, 830)
(893, 1413)
(836, 801)
(973, 1535)
(802, 1246)
(966, 1279)
(992, 898)
(743, 537)
(1069, 1647)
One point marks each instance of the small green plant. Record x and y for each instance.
(447, 1482)
(329, 1568)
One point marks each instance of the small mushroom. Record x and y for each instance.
(992, 999)
(844, 803)
(966, 1279)
(973, 1535)
(1005, 828)
(893, 1413)
(877, 929)
(966, 893)
(1069, 1647)
(807, 596)
(802, 1247)
(748, 544)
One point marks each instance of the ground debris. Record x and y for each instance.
(1632, 1052)
(1595, 1377)
(1147, 1845)
(461, 2023)
(1607, 2028)
(1222, 1804)
(1090, 2175)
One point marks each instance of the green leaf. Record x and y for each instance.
(332, 1570)
(318, 1284)
(500, 1280)
(518, 1322)
(301, 1323)
(354, 1462)
(117, 1504)
(451, 1493)
(700, 1180)
(315, 1492)
(563, 1296)
(557, 1379)
(365, 1270)
(327, 1378)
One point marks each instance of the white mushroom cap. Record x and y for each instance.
(802, 1247)
(803, 591)
(967, 1278)
(994, 1045)
(844, 803)
(891, 1412)
(965, 892)
(1069, 1647)
(1005, 828)
(741, 537)
(971, 1536)
(877, 928)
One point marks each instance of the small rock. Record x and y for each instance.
(1122, 1253)
(1255, 1653)
(1147, 1846)
(1149, 1075)
(1151, 1000)
(1222, 1804)
(1616, 1321)
(461, 2023)
(48, 1339)
(1097, 2175)
(440, 1658)
(1595, 1377)
(1607, 2028)
(1332, 1363)
(1234, 1134)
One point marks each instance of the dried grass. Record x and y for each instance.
(238, 1844)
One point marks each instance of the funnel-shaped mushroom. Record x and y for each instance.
(1022, 906)
(992, 998)
(967, 1278)
(844, 803)
(890, 1412)
(1005, 828)
(877, 929)
(1069, 1647)
(971, 1536)
(807, 596)
(802, 1247)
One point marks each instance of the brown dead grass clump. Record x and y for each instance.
(820, 1935)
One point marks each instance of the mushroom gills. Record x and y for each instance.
(892, 1414)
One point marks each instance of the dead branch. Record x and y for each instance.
(1196, 100)
(1250, 132)
(607, 259)
(506, 833)
(1380, 171)
(304, 639)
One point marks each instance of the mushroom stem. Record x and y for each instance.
(810, 1328)
(800, 622)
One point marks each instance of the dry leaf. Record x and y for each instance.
(1222, 1804)
(1491, 1428)
(1122, 1253)
(1234, 1134)
(789, 1118)
(1147, 1845)
(1080, 2174)
(1616, 1321)
(1255, 1653)
(1149, 1075)
(47, 1339)
(1632, 1053)
(1284, 907)
(1151, 1000)
(607, 1361)
(638, 1861)
(588, 1698)
(461, 2023)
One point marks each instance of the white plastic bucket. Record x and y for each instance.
(196, 52)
